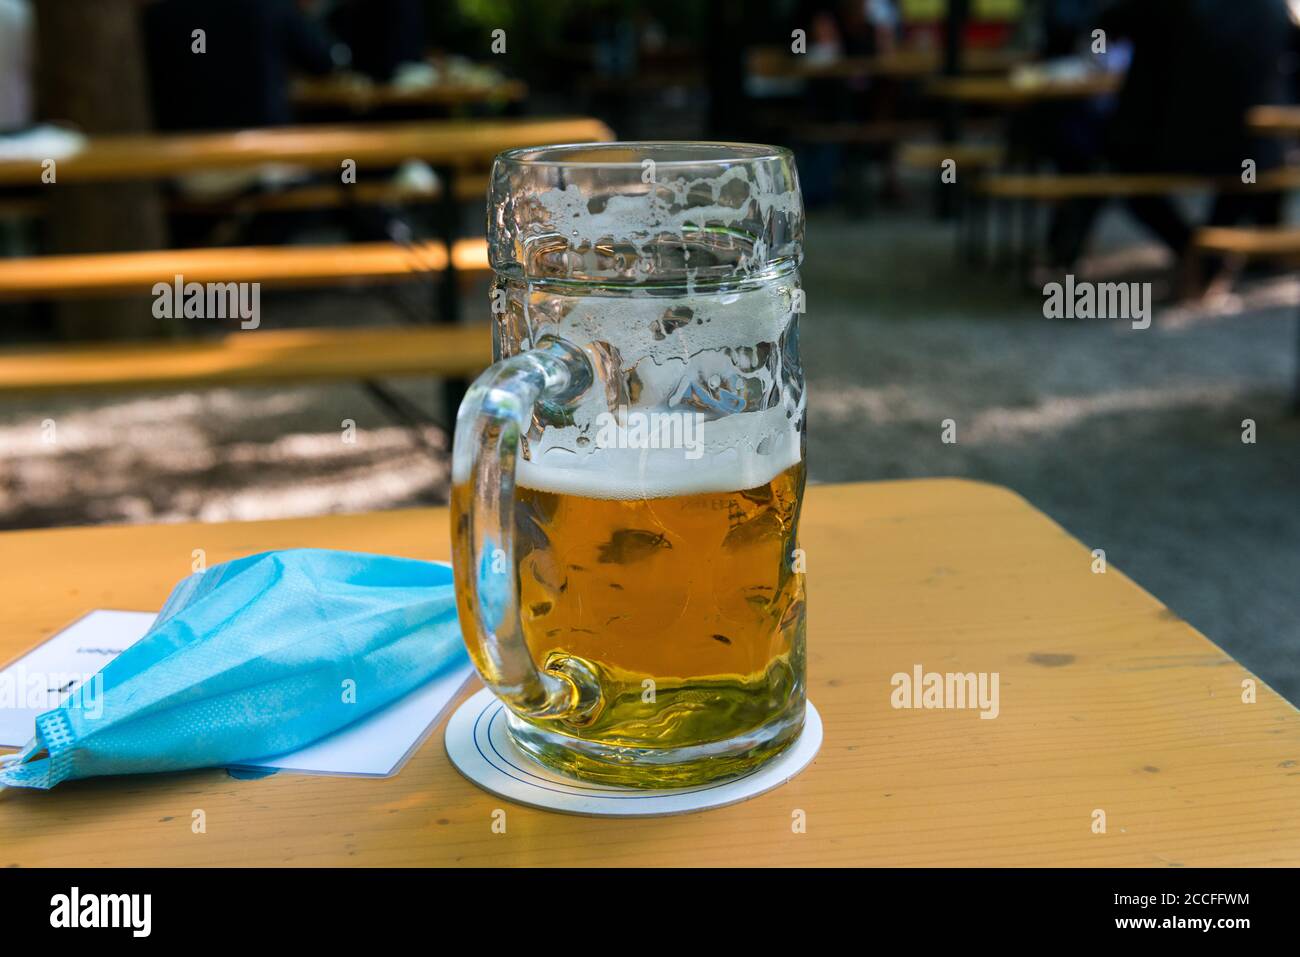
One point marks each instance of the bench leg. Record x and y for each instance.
(977, 248)
(961, 247)
(447, 301)
(448, 216)
(1295, 395)
(1028, 254)
(1004, 233)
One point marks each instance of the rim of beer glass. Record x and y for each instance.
(707, 153)
(525, 239)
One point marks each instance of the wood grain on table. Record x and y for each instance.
(1108, 701)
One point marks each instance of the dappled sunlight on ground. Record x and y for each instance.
(219, 455)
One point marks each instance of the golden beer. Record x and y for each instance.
(689, 609)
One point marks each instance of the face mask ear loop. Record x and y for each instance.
(18, 757)
(30, 748)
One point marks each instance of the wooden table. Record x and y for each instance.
(1274, 120)
(1007, 93)
(461, 143)
(362, 97)
(899, 65)
(136, 273)
(1108, 701)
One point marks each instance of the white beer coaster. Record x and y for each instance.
(481, 749)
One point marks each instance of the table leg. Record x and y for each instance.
(1295, 397)
(447, 297)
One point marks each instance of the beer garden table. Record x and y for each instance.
(899, 65)
(450, 143)
(1007, 93)
(1274, 120)
(360, 97)
(1109, 703)
(450, 146)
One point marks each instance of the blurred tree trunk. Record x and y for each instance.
(91, 72)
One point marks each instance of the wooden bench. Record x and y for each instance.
(1276, 244)
(360, 96)
(930, 156)
(447, 143)
(1031, 189)
(1245, 244)
(852, 133)
(1052, 188)
(776, 62)
(1274, 120)
(468, 187)
(926, 155)
(250, 357)
(1059, 188)
(113, 274)
(1007, 93)
(254, 355)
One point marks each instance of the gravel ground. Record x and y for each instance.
(1130, 439)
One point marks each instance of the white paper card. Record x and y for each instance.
(377, 746)
(481, 749)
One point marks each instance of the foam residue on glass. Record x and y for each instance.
(681, 288)
(673, 229)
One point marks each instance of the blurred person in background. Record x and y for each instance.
(837, 30)
(1197, 67)
(253, 49)
(15, 65)
(870, 27)
(1071, 134)
(1064, 24)
(382, 35)
(15, 95)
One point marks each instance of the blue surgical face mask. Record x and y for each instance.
(249, 659)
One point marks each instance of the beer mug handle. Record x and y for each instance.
(496, 412)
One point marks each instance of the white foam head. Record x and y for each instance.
(736, 452)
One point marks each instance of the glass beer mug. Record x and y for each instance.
(627, 478)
